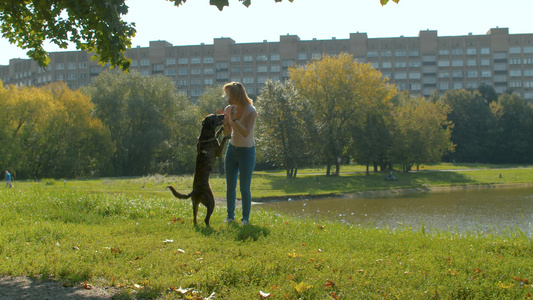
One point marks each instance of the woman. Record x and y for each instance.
(239, 120)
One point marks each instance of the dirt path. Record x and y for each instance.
(20, 287)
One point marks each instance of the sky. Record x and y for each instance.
(197, 22)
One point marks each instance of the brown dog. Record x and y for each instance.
(207, 148)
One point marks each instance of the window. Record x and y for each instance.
(400, 53)
(444, 74)
(471, 85)
(208, 60)
(83, 65)
(414, 64)
(528, 84)
(60, 76)
(444, 86)
(145, 62)
(316, 55)
(134, 63)
(60, 66)
(386, 65)
(235, 70)
(414, 75)
(248, 58)
(196, 81)
(528, 72)
(484, 51)
(428, 58)
(183, 71)
(457, 85)
(196, 93)
(274, 57)
(287, 63)
(500, 67)
(374, 65)
(248, 69)
(71, 76)
(248, 80)
(208, 81)
(235, 58)
(528, 61)
(500, 55)
(400, 64)
(71, 66)
(485, 62)
(183, 60)
(261, 57)
(515, 84)
(261, 79)
(457, 74)
(400, 75)
(414, 53)
(471, 62)
(157, 67)
(515, 50)
(429, 80)
(302, 56)
(415, 86)
(209, 71)
(222, 65)
(170, 61)
(262, 69)
(515, 61)
(444, 52)
(196, 71)
(275, 68)
(372, 54)
(170, 72)
(515, 73)
(457, 63)
(196, 60)
(528, 49)
(486, 73)
(443, 63)
(471, 74)
(471, 51)
(457, 51)
(500, 78)
(386, 53)
(183, 82)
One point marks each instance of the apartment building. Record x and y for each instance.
(420, 64)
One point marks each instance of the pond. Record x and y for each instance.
(469, 210)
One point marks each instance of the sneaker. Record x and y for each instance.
(245, 222)
(227, 220)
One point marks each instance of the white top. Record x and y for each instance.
(237, 139)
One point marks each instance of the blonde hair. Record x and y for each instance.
(236, 90)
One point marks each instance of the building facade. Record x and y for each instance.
(420, 64)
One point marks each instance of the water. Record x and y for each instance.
(473, 210)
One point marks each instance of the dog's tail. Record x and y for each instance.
(178, 195)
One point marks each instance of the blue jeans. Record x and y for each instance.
(239, 162)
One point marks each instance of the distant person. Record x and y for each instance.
(239, 162)
(8, 180)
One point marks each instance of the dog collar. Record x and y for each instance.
(209, 140)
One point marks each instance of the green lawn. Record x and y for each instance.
(133, 235)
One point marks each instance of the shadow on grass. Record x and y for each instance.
(350, 183)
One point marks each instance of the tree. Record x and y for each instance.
(339, 90)
(512, 141)
(284, 136)
(94, 26)
(421, 132)
(50, 132)
(471, 115)
(152, 126)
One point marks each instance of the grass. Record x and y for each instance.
(132, 235)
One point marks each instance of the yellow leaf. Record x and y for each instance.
(302, 287)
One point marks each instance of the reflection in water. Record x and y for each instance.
(475, 210)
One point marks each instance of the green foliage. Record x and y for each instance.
(286, 128)
(152, 126)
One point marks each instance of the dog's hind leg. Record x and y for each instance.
(195, 205)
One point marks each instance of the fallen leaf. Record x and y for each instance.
(334, 295)
(329, 283)
(522, 280)
(168, 241)
(183, 291)
(180, 251)
(477, 270)
(289, 277)
(302, 287)
(211, 297)
(116, 250)
(86, 286)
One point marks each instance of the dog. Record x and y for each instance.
(207, 148)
